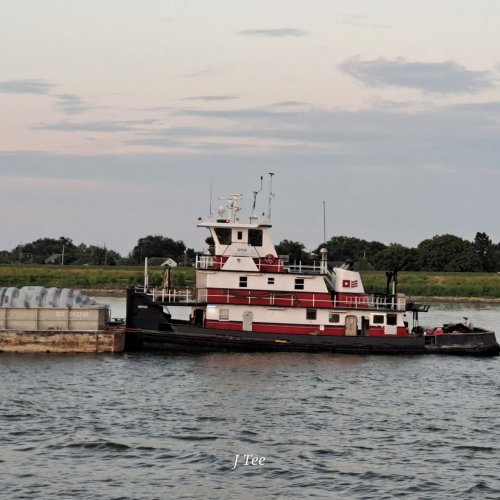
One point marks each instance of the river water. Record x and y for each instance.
(143, 426)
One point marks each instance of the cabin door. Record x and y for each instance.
(247, 321)
(351, 326)
(391, 326)
(198, 317)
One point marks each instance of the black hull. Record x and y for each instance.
(191, 339)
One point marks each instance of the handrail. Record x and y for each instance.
(315, 268)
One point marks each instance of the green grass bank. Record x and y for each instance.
(116, 279)
(87, 277)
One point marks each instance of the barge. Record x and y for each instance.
(39, 319)
(248, 298)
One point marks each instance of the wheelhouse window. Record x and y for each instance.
(270, 281)
(243, 281)
(223, 314)
(255, 237)
(333, 318)
(223, 235)
(240, 235)
(378, 319)
(392, 319)
(311, 313)
(299, 283)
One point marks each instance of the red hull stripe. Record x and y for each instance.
(282, 329)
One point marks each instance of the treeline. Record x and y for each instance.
(63, 251)
(443, 253)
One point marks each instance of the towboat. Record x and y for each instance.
(249, 298)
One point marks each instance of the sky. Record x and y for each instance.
(118, 118)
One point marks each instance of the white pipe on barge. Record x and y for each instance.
(37, 319)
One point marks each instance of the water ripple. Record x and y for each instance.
(142, 426)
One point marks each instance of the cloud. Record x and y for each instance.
(210, 98)
(51, 184)
(274, 33)
(439, 77)
(70, 104)
(102, 126)
(289, 104)
(33, 86)
(460, 135)
(67, 103)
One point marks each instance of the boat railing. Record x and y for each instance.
(371, 301)
(205, 262)
(172, 295)
(317, 267)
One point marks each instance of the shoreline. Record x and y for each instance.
(457, 300)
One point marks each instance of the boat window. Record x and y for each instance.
(334, 318)
(392, 319)
(223, 314)
(299, 283)
(223, 235)
(270, 281)
(255, 237)
(378, 319)
(240, 235)
(243, 281)
(311, 313)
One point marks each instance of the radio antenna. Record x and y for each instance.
(255, 193)
(271, 194)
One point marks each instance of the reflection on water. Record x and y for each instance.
(142, 426)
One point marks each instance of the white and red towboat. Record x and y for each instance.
(249, 298)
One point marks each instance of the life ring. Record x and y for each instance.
(269, 259)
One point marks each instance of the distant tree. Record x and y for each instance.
(211, 245)
(157, 246)
(447, 253)
(350, 248)
(295, 250)
(191, 254)
(396, 257)
(6, 257)
(43, 248)
(496, 257)
(485, 252)
(98, 256)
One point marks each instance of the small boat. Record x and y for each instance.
(248, 298)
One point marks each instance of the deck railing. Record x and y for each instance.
(172, 295)
(371, 301)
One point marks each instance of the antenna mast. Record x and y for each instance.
(270, 193)
(255, 193)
